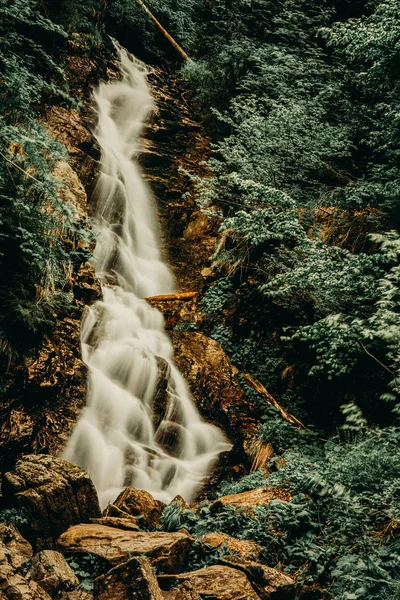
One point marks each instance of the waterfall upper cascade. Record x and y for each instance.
(123, 337)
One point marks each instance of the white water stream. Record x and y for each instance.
(115, 439)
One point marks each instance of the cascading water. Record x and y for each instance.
(123, 338)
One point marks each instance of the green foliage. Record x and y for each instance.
(301, 101)
(337, 529)
(248, 482)
(78, 17)
(87, 567)
(299, 125)
(14, 516)
(38, 232)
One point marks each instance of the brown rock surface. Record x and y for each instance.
(244, 548)
(269, 583)
(184, 591)
(126, 522)
(54, 493)
(14, 542)
(15, 583)
(132, 580)
(215, 386)
(213, 381)
(251, 499)
(137, 503)
(52, 572)
(166, 551)
(75, 595)
(217, 583)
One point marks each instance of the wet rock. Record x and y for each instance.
(251, 499)
(219, 397)
(52, 572)
(166, 551)
(53, 493)
(137, 503)
(170, 437)
(244, 548)
(216, 583)
(213, 381)
(131, 580)
(15, 554)
(269, 583)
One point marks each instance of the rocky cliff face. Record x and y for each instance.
(51, 389)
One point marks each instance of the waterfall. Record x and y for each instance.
(117, 440)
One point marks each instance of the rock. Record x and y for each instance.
(71, 190)
(15, 553)
(137, 503)
(251, 499)
(127, 522)
(15, 543)
(216, 583)
(75, 595)
(52, 572)
(184, 591)
(131, 580)
(244, 548)
(207, 273)
(220, 399)
(54, 494)
(268, 582)
(213, 381)
(170, 437)
(166, 551)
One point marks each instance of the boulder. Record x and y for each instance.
(15, 543)
(75, 595)
(54, 494)
(221, 400)
(216, 583)
(214, 383)
(52, 572)
(137, 503)
(131, 580)
(183, 591)
(251, 499)
(166, 551)
(244, 548)
(268, 582)
(15, 554)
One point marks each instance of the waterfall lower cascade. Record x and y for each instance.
(123, 337)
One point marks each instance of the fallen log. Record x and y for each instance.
(171, 297)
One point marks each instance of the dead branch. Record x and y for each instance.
(272, 402)
(164, 31)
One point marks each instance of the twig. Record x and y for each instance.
(377, 360)
(20, 168)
